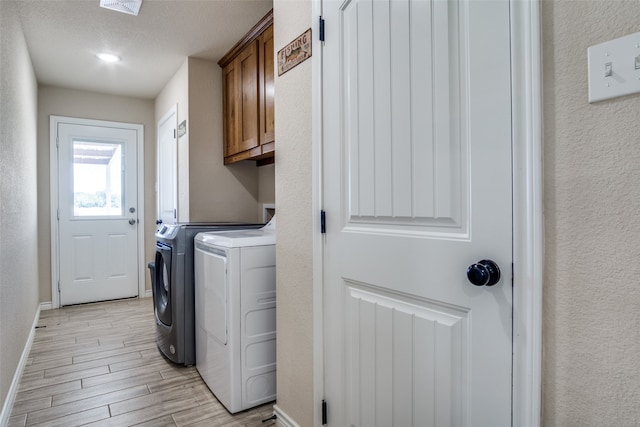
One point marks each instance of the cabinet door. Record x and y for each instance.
(240, 102)
(266, 70)
(231, 108)
(248, 67)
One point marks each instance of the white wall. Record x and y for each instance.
(293, 199)
(592, 204)
(90, 105)
(18, 196)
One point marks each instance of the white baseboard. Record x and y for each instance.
(147, 294)
(46, 306)
(283, 420)
(13, 389)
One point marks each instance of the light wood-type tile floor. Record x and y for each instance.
(98, 365)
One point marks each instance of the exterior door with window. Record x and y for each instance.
(98, 213)
(418, 195)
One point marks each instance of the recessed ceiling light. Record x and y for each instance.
(107, 57)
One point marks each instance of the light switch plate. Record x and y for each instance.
(612, 68)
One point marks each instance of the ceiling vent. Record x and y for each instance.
(132, 7)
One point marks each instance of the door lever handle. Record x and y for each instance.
(132, 221)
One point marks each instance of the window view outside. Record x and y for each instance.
(97, 179)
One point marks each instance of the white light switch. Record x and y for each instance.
(614, 68)
(608, 69)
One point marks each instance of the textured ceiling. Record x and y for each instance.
(63, 37)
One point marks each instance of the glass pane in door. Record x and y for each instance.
(97, 179)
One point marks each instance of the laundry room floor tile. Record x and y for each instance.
(98, 365)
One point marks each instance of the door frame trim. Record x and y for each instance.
(317, 203)
(528, 227)
(53, 189)
(528, 243)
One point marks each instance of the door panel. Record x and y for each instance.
(399, 347)
(417, 187)
(97, 199)
(408, 91)
(83, 265)
(215, 291)
(230, 106)
(247, 63)
(167, 170)
(117, 255)
(266, 70)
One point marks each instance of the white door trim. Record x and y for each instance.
(528, 244)
(317, 204)
(53, 188)
(527, 213)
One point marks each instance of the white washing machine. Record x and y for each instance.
(235, 302)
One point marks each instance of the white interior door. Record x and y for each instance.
(167, 173)
(98, 213)
(417, 188)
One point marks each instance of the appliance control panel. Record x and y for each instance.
(167, 231)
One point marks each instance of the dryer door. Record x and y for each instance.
(211, 291)
(162, 284)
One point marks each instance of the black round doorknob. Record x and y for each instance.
(484, 273)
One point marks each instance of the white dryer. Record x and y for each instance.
(235, 318)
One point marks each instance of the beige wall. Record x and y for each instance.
(591, 363)
(176, 92)
(294, 248)
(18, 200)
(89, 105)
(591, 367)
(210, 190)
(218, 192)
(266, 187)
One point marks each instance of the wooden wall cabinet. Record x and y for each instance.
(248, 96)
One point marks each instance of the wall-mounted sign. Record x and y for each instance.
(295, 52)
